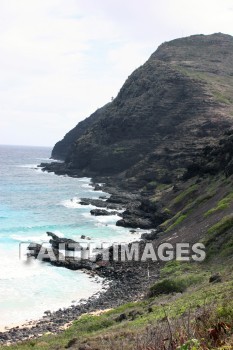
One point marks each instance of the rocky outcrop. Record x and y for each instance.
(55, 240)
(56, 258)
(150, 236)
(214, 159)
(100, 203)
(146, 215)
(103, 212)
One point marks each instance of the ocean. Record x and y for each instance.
(31, 203)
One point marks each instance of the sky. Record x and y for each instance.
(60, 60)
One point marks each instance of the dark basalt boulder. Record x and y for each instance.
(150, 236)
(98, 187)
(215, 278)
(55, 240)
(121, 317)
(103, 212)
(145, 215)
(100, 203)
(124, 198)
(56, 258)
(135, 222)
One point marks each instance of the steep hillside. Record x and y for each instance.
(63, 147)
(170, 108)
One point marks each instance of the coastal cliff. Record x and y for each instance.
(166, 112)
(169, 123)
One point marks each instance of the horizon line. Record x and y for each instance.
(17, 145)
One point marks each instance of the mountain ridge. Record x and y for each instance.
(166, 112)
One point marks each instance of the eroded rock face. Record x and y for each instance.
(214, 159)
(169, 109)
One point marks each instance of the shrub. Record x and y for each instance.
(166, 286)
(177, 284)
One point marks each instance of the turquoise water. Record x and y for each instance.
(31, 203)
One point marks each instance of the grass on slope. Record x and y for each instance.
(149, 320)
(221, 205)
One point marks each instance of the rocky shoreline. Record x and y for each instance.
(138, 212)
(128, 286)
(122, 281)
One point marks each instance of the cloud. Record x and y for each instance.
(62, 59)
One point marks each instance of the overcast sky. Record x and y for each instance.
(60, 60)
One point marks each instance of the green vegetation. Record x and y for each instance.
(159, 188)
(185, 193)
(227, 246)
(178, 221)
(166, 286)
(120, 150)
(190, 199)
(180, 216)
(219, 241)
(192, 73)
(222, 226)
(166, 210)
(177, 268)
(169, 224)
(151, 185)
(195, 202)
(162, 187)
(220, 87)
(222, 204)
(213, 210)
(174, 285)
(214, 303)
(221, 97)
